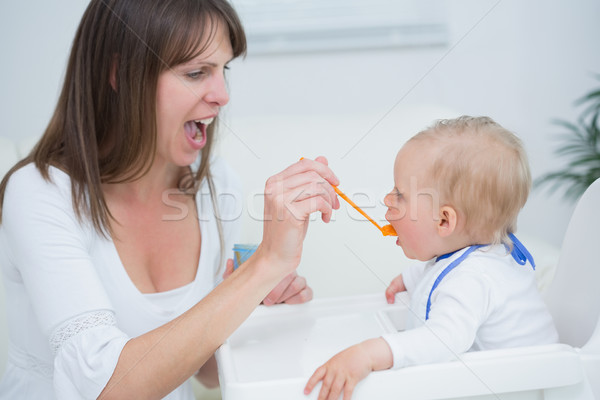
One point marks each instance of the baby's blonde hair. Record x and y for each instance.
(481, 169)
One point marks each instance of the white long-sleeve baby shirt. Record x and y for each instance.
(488, 301)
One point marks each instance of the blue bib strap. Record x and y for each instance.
(449, 268)
(445, 256)
(520, 253)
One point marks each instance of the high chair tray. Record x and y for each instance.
(274, 352)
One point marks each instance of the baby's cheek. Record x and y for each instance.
(400, 212)
(392, 215)
(395, 212)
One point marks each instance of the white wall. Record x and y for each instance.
(523, 63)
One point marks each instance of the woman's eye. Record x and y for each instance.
(195, 74)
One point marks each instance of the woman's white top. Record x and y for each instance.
(71, 306)
(488, 301)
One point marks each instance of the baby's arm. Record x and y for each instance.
(396, 286)
(344, 370)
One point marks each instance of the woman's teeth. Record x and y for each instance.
(206, 121)
(199, 122)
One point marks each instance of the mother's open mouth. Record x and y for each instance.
(196, 130)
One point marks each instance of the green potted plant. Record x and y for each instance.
(580, 146)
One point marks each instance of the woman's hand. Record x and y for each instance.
(344, 370)
(290, 198)
(291, 290)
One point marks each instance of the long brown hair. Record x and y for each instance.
(101, 135)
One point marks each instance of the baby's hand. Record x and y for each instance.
(344, 370)
(341, 373)
(396, 286)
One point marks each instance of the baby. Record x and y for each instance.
(458, 189)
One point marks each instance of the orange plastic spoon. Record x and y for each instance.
(386, 230)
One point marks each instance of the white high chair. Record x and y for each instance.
(274, 352)
(569, 370)
(574, 297)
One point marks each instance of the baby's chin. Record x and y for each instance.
(413, 256)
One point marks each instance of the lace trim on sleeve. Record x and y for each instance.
(81, 323)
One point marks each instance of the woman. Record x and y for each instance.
(112, 235)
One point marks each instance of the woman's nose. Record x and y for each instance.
(217, 94)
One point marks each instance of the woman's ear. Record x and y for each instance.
(447, 222)
(113, 71)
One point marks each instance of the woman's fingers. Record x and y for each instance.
(309, 184)
(301, 297)
(274, 296)
(297, 202)
(297, 292)
(294, 289)
(305, 164)
(290, 198)
(322, 160)
(291, 290)
(305, 179)
(228, 268)
(302, 209)
(285, 198)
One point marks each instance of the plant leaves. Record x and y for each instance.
(580, 146)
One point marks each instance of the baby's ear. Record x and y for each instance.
(447, 222)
